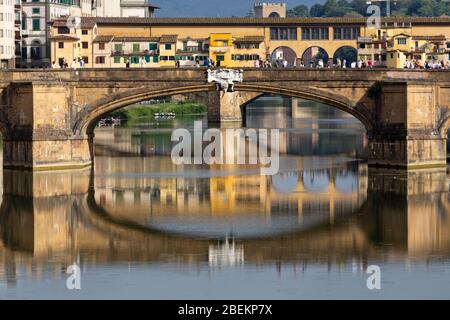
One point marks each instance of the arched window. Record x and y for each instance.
(36, 50)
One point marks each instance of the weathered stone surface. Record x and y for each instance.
(48, 117)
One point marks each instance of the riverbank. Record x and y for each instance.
(137, 111)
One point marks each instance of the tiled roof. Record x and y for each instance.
(169, 38)
(250, 39)
(136, 39)
(99, 39)
(430, 38)
(261, 21)
(64, 37)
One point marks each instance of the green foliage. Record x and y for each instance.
(340, 8)
(299, 11)
(145, 111)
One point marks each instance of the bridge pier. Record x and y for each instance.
(39, 134)
(70, 153)
(225, 106)
(406, 134)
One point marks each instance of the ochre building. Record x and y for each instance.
(240, 42)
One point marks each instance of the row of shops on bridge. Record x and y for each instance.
(134, 43)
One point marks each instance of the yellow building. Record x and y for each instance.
(239, 42)
(221, 49)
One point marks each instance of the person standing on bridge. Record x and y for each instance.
(74, 65)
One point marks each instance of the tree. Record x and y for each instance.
(299, 11)
(316, 10)
(340, 8)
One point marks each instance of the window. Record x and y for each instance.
(85, 45)
(63, 30)
(36, 24)
(153, 46)
(346, 33)
(401, 41)
(117, 59)
(155, 59)
(315, 33)
(135, 60)
(101, 46)
(100, 60)
(283, 33)
(36, 11)
(136, 47)
(61, 45)
(118, 47)
(168, 46)
(84, 32)
(85, 59)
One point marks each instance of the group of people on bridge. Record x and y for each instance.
(436, 65)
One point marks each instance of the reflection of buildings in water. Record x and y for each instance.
(226, 254)
(326, 192)
(410, 215)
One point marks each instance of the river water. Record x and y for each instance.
(139, 226)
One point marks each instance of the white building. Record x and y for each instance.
(7, 34)
(136, 8)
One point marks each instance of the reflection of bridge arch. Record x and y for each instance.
(87, 117)
(316, 181)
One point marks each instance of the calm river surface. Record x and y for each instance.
(141, 227)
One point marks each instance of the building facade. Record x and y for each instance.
(7, 34)
(270, 10)
(239, 42)
(35, 33)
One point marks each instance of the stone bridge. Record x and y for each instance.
(48, 118)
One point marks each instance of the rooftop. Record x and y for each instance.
(255, 21)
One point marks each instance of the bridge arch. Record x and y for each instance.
(89, 115)
(313, 54)
(347, 53)
(444, 127)
(286, 53)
